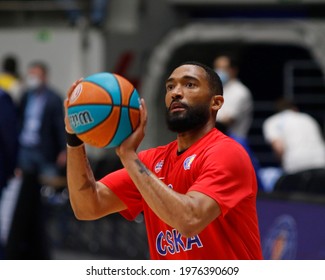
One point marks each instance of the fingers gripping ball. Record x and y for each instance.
(103, 110)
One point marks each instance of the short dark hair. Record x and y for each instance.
(283, 103)
(213, 78)
(10, 65)
(41, 65)
(233, 60)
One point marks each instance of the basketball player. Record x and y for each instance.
(197, 193)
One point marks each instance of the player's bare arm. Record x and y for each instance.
(189, 213)
(89, 199)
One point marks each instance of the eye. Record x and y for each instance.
(169, 87)
(190, 85)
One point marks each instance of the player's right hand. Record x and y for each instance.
(132, 143)
(66, 103)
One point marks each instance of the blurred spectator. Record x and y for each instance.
(236, 112)
(10, 79)
(97, 11)
(41, 155)
(297, 140)
(8, 142)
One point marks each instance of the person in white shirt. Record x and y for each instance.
(236, 113)
(297, 140)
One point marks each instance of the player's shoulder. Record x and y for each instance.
(219, 142)
(226, 152)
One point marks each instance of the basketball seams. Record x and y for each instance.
(132, 108)
(119, 121)
(92, 104)
(103, 123)
(110, 95)
(125, 87)
(116, 129)
(94, 126)
(120, 114)
(129, 100)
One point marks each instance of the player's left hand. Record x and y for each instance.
(66, 103)
(132, 143)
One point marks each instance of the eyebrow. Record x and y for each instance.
(186, 77)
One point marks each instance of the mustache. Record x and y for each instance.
(177, 104)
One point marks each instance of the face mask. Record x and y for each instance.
(224, 76)
(33, 82)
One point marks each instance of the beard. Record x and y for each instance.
(189, 119)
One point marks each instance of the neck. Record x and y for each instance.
(188, 138)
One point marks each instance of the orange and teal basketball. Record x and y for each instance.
(103, 110)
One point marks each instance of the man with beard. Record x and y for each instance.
(197, 193)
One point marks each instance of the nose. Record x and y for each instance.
(176, 93)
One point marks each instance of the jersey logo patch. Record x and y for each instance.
(188, 162)
(159, 165)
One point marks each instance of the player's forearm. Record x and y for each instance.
(81, 183)
(173, 208)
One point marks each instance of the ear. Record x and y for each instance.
(217, 102)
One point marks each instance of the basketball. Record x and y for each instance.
(103, 110)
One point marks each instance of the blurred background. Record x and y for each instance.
(280, 48)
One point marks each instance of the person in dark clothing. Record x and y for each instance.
(41, 154)
(8, 142)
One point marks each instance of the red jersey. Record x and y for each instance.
(220, 168)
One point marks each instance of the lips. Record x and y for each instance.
(177, 106)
